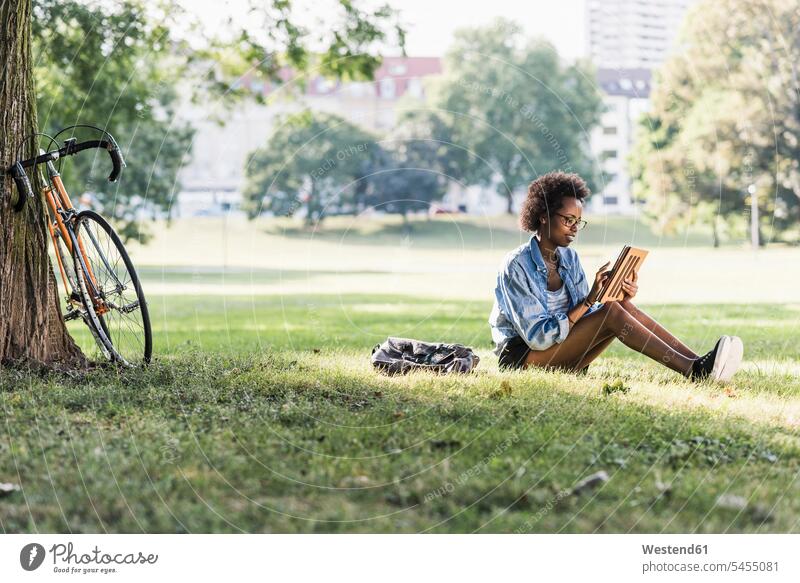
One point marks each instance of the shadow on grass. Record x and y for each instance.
(272, 442)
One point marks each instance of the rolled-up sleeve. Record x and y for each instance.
(535, 326)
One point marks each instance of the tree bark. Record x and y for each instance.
(714, 233)
(311, 214)
(31, 326)
(406, 224)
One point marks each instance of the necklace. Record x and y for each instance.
(551, 259)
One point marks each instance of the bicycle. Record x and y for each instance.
(103, 288)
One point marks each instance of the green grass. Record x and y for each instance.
(448, 257)
(475, 232)
(262, 414)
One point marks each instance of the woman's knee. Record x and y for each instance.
(615, 316)
(628, 306)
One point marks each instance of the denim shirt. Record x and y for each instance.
(520, 299)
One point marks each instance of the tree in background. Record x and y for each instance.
(408, 178)
(114, 66)
(31, 327)
(515, 108)
(725, 120)
(268, 40)
(319, 164)
(436, 134)
(118, 65)
(312, 162)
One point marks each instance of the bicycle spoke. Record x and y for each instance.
(124, 318)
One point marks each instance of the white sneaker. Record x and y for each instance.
(720, 357)
(728, 358)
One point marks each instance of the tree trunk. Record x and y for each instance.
(31, 326)
(406, 224)
(312, 214)
(714, 233)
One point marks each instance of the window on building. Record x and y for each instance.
(610, 200)
(323, 85)
(609, 155)
(415, 88)
(387, 88)
(356, 89)
(610, 131)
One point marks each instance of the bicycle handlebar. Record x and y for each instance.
(69, 148)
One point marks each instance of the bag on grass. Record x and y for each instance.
(400, 355)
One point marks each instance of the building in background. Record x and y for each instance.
(626, 95)
(626, 41)
(632, 34)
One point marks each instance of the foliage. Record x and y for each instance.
(324, 165)
(313, 161)
(410, 176)
(113, 66)
(454, 160)
(270, 45)
(498, 125)
(128, 66)
(515, 108)
(725, 116)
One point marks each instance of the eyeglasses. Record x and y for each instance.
(570, 221)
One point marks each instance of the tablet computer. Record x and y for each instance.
(629, 261)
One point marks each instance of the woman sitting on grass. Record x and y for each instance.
(545, 315)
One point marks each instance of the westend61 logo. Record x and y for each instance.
(67, 560)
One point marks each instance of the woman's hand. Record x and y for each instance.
(599, 280)
(629, 287)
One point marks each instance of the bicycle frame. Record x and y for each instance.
(62, 209)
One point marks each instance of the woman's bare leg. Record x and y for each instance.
(594, 352)
(658, 329)
(592, 330)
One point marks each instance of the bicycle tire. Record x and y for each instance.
(128, 345)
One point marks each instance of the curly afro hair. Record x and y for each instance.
(545, 197)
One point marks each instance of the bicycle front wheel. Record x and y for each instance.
(116, 289)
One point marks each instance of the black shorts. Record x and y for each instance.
(514, 353)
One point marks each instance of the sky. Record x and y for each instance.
(431, 23)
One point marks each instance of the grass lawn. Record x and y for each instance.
(447, 257)
(262, 414)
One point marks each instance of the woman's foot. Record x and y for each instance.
(734, 359)
(721, 362)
